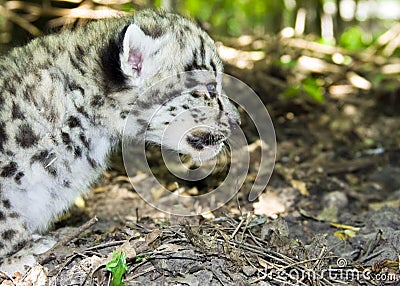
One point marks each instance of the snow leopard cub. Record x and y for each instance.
(64, 99)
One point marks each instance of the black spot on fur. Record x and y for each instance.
(143, 122)
(77, 152)
(27, 92)
(45, 158)
(8, 234)
(19, 245)
(73, 122)
(135, 112)
(124, 114)
(153, 30)
(185, 106)
(202, 49)
(83, 139)
(18, 177)
(91, 162)
(194, 65)
(3, 136)
(76, 60)
(10, 86)
(2, 216)
(196, 94)
(9, 170)
(66, 183)
(181, 39)
(97, 101)
(51, 170)
(195, 143)
(80, 52)
(214, 67)
(82, 111)
(144, 104)
(16, 112)
(13, 215)
(26, 137)
(221, 107)
(6, 204)
(40, 156)
(114, 78)
(73, 86)
(53, 138)
(65, 138)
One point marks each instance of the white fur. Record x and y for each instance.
(49, 92)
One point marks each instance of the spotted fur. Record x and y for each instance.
(65, 98)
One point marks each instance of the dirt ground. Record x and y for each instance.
(330, 214)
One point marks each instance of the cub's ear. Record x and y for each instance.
(136, 55)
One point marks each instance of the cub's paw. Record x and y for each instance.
(25, 258)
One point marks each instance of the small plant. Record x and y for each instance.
(310, 86)
(117, 266)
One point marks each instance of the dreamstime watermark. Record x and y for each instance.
(184, 115)
(341, 273)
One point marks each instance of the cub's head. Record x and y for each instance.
(174, 69)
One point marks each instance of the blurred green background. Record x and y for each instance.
(305, 46)
(328, 19)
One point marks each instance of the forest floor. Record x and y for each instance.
(330, 214)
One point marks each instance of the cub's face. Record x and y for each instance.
(195, 119)
(176, 72)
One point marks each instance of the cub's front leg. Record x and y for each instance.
(13, 232)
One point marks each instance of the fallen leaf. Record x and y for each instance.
(263, 263)
(301, 186)
(328, 214)
(345, 226)
(344, 234)
(152, 236)
(269, 204)
(36, 276)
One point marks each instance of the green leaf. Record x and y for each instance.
(313, 89)
(291, 91)
(352, 39)
(117, 266)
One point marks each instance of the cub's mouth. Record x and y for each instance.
(201, 140)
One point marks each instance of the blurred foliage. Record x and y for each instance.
(226, 18)
(309, 86)
(237, 17)
(353, 39)
(320, 22)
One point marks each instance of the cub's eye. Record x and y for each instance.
(212, 89)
